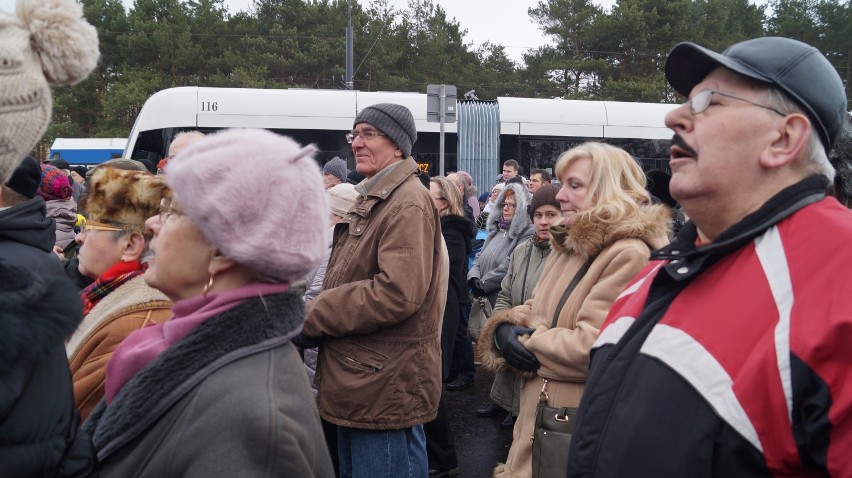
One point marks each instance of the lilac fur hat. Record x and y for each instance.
(258, 197)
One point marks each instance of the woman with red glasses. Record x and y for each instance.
(112, 247)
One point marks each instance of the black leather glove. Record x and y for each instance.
(304, 342)
(506, 339)
(476, 287)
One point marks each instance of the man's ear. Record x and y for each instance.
(792, 138)
(134, 247)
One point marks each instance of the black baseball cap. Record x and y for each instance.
(798, 69)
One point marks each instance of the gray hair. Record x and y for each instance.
(815, 149)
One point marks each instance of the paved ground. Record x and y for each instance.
(480, 442)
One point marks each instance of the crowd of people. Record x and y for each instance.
(168, 323)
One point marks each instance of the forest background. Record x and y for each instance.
(617, 54)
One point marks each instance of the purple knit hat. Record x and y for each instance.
(258, 197)
(54, 184)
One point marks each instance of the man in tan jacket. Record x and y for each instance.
(378, 317)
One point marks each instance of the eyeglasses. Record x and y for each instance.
(167, 209)
(701, 101)
(366, 135)
(89, 226)
(509, 205)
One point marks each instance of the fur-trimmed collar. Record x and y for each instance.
(132, 294)
(589, 236)
(252, 327)
(520, 221)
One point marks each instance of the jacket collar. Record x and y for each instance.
(251, 327)
(381, 186)
(779, 207)
(134, 294)
(589, 235)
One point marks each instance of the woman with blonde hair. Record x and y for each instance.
(608, 230)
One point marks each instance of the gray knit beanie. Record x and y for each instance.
(337, 168)
(396, 121)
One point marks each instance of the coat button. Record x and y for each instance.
(683, 270)
(384, 192)
(358, 229)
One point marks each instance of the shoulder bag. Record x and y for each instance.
(554, 426)
(480, 311)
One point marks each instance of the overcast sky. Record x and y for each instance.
(499, 21)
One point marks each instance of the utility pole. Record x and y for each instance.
(349, 50)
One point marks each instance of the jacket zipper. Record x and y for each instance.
(357, 362)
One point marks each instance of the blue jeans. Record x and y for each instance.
(463, 351)
(382, 453)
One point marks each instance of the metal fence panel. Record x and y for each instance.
(479, 141)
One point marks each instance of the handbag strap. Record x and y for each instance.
(577, 277)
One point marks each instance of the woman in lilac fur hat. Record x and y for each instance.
(218, 389)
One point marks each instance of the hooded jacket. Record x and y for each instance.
(38, 309)
(492, 262)
(619, 251)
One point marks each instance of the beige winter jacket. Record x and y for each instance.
(563, 351)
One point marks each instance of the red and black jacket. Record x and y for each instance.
(732, 359)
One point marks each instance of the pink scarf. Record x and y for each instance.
(144, 345)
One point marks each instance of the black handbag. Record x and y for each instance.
(552, 438)
(553, 426)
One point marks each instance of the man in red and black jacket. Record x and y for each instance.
(730, 354)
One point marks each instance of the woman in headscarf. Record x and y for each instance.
(218, 389)
(610, 227)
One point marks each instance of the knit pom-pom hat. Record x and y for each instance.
(266, 210)
(47, 41)
(55, 185)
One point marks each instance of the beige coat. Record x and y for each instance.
(130, 307)
(563, 351)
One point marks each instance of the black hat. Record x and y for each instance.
(797, 69)
(26, 178)
(59, 164)
(81, 170)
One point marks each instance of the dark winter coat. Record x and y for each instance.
(458, 234)
(229, 399)
(38, 308)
